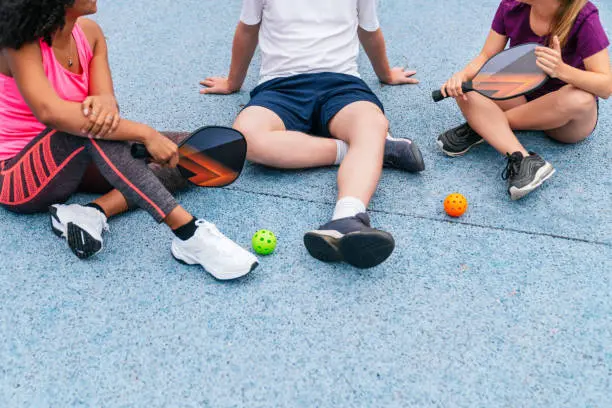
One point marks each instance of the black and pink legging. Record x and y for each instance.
(56, 165)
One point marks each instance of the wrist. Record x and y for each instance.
(386, 78)
(146, 134)
(564, 73)
(234, 85)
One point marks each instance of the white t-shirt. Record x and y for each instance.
(309, 36)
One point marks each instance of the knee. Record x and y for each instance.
(255, 144)
(575, 102)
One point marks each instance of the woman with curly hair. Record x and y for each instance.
(59, 117)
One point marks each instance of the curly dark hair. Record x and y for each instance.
(26, 21)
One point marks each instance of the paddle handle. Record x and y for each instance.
(437, 94)
(139, 151)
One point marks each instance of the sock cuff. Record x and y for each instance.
(348, 207)
(341, 151)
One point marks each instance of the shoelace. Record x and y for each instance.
(512, 167)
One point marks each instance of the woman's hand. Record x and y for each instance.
(453, 88)
(163, 151)
(550, 60)
(103, 114)
(217, 85)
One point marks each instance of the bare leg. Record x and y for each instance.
(270, 144)
(489, 121)
(568, 115)
(364, 127)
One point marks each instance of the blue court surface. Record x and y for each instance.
(509, 306)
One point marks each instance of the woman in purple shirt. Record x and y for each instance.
(574, 54)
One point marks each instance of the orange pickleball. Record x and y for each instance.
(455, 205)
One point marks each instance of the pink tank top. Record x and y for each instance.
(18, 125)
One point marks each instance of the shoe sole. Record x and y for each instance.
(457, 154)
(541, 176)
(81, 243)
(362, 250)
(222, 276)
(56, 224)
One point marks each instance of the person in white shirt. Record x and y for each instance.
(311, 109)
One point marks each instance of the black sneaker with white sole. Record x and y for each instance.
(525, 174)
(351, 240)
(403, 154)
(82, 227)
(457, 141)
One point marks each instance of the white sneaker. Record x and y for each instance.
(81, 226)
(217, 254)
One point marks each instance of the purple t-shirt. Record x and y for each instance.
(587, 37)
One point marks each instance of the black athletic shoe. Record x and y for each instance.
(403, 154)
(457, 141)
(351, 240)
(525, 174)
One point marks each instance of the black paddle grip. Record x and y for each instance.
(437, 94)
(139, 151)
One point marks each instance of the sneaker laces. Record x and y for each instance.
(513, 166)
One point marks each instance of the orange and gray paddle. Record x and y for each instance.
(507, 75)
(212, 156)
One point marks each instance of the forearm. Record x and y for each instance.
(376, 50)
(243, 49)
(474, 66)
(68, 117)
(593, 82)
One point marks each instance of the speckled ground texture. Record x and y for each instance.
(508, 307)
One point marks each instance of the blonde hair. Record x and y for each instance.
(565, 19)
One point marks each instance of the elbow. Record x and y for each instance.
(45, 115)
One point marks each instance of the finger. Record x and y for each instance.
(546, 62)
(547, 51)
(86, 105)
(174, 161)
(410, 81)
(207, 82)
(106, 126)
(115, 125)
(553, 62)
(96, 132)
(557, 44)
(544, 68)
(443, 90)
(409, 73)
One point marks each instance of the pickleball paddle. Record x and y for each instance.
(213, 156)
(509, 74)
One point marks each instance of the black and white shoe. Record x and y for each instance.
(351, 240)
(457, 141)
(525, 174)
(403, 154)
(81, 226)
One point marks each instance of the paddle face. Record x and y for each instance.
(213, 156)
(510, 74)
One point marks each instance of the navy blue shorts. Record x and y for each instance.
(308, 102)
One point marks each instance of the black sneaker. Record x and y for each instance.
(403, 154)
(457, 141)
(351, 240)
(525, 174)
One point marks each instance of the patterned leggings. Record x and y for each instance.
(52, 167)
